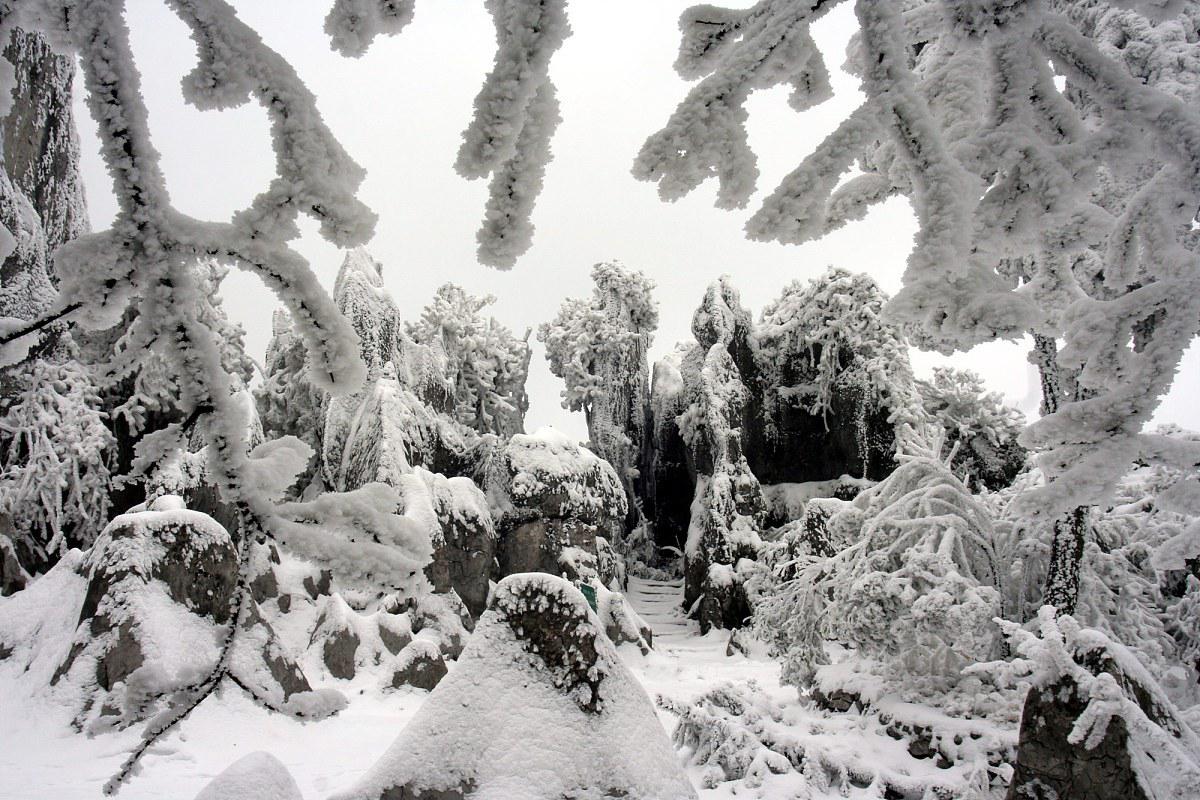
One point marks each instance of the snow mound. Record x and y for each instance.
(540, 706)
(257, 776)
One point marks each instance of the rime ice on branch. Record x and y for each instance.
(1001, 166)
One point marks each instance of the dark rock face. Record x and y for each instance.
(12, 577)
(854, 438)
(556, 629)
(41, 147)
(420, 665)
(1051, 768)
(463, 557)
(668, 482)
(338, 652)
(537, 545)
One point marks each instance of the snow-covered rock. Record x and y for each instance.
(157, 606)
(463, 534)
(540, 707)
(348, 641)
(1096, 725)
(257, 776)
(550, 498)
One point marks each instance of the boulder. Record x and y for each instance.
(575, 722)
(464, 541)
(419, 664)
(257, 776)
(160, 588)
(549, 497)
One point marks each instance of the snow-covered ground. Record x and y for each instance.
(41, 758)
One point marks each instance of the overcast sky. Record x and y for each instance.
(400, 110)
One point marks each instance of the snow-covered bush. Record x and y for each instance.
(485, 363)
(978, 422)
(756, 746)
(54, 477)
(917, 589)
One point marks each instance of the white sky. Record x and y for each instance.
(400, 110)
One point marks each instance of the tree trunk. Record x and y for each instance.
(1070, 531)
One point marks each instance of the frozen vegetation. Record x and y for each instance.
(782, 565)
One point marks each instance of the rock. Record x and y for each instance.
(348, 641)
(158, 600)
(621, 623)
(258, 646)
(575, 722)
(465, 542)
(551, 499)
(257, 776)
(1127, 760)
(440, 617)
(420, 664)
(12, 575)
(265, 583)
(540, 545)
(670, 482)
(320, 586)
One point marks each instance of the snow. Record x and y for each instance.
(257, 776)
(552, 744)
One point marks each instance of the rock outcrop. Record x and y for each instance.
(575, 721)
(551, 499)
(159, 598)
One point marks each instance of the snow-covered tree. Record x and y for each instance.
(486, 364)
(598, 347)
(288, 403)
(978, 423)
(152, 256)
(963, 115)
(917, 589)
(54, 477)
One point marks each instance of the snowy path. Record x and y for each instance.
(659, 604)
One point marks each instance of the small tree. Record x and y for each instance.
(598, 347)
(486, 364)
(978, 424)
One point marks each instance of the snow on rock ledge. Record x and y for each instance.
(540, 707)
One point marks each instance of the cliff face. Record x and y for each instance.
(41, 146)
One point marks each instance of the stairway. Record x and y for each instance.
(660, 604)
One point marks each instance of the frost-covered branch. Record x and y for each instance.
(152, 254)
